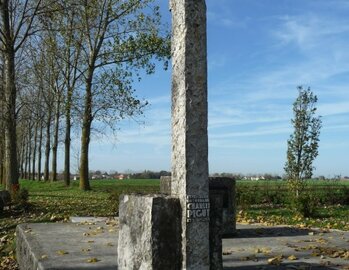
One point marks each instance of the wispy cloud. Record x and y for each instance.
(308, 31)
(256, 132)
(224, 19)
(329, 109)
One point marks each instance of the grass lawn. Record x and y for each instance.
(331, 215)
(327, 217)
(54, 199)
(53, 202)
(284, 182)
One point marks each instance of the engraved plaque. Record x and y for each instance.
(198, 208)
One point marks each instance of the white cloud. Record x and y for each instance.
(329, 109)
(222, 20)
(310, 31)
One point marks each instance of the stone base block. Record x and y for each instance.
(225, 187)
(165, 185)
(149, 232)
(216, 226)
(222, 186)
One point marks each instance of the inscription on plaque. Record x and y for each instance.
(198, 208)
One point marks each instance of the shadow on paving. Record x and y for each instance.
(283, 266)
(270, 232)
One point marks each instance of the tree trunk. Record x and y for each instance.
(11, 165)
(40, 150)
(55, 141)
(2, 181)
(47, 146)
(34, 149)
(21, 155)
(30, 149)
(26, 144)
(85, 134)
(67, 139)
(2, 132)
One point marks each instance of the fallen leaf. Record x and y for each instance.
(93, 260)
(275, 261)
(292, 258)
(62, 252)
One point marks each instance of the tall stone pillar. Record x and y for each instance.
(189, 180)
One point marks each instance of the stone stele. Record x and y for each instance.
(189, 128)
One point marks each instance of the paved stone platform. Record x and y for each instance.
(287, 247)
(93, 245)
(60, 246)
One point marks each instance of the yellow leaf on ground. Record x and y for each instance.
(62, 252)
(274, 261)
(292, 258)
(92, 260)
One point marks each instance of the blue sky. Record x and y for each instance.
(258, 53)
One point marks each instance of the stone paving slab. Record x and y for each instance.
(63, 246)
(71, 245)
(88, 219)
(254, 245)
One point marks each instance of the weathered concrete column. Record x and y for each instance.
(189, 128)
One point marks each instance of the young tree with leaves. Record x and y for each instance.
(120, 39)
(302, 147)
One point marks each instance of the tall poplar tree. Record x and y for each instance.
(16, 25)
(302, 147)
(120, 39)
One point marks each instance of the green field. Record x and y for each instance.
(284, 183)
(101, 200)
(53, 202)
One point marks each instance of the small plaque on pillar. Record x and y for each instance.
(198, 208)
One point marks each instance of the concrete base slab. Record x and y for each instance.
(90, 219)
(67, 246)
(94, 246)
(286, 248)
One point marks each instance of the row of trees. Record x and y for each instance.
(67, 64)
